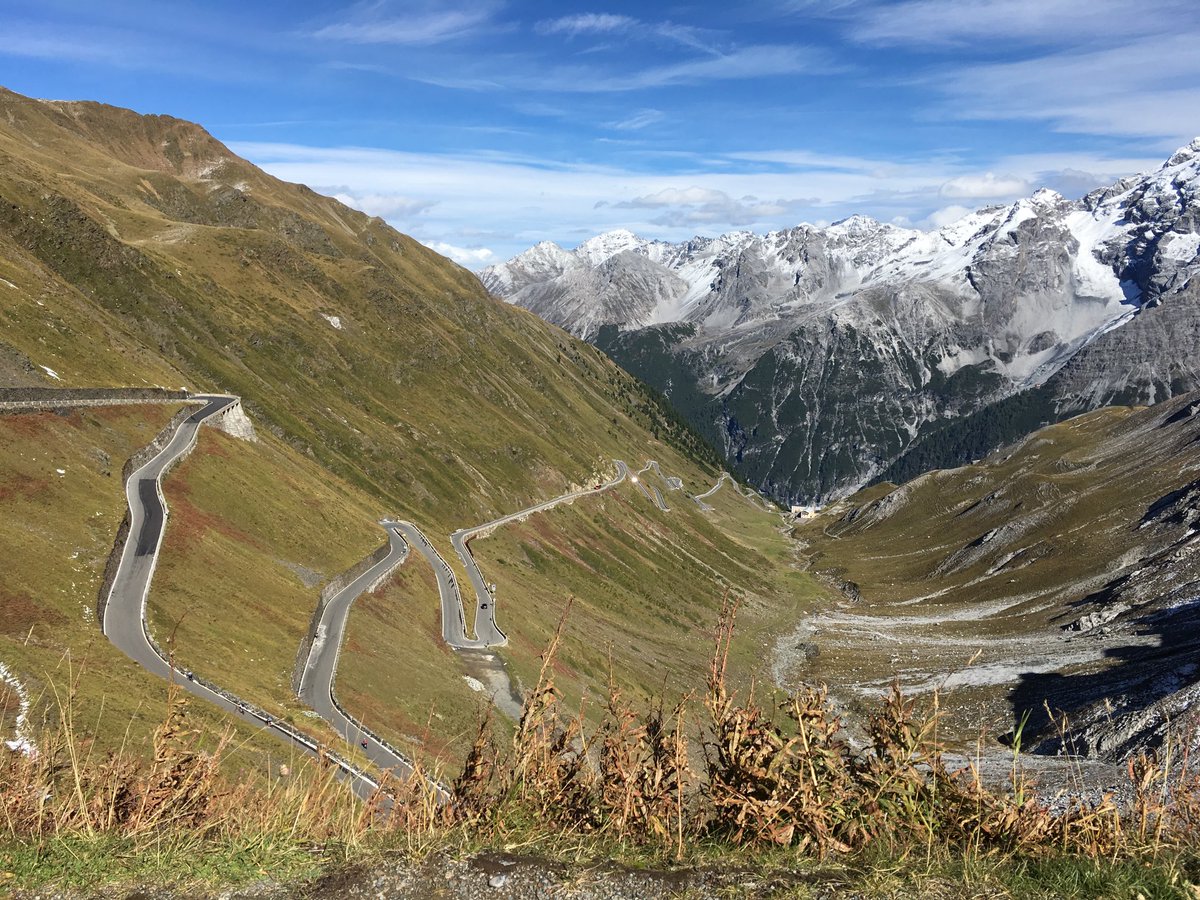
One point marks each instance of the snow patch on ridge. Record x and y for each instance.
(1180, 247)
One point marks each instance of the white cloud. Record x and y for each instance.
(476, 257)
(388, 206)
(59, 48)
(1036, 21)
(1126, 68)
(689, 36)
(757, 61)
(506, 203)
(749, 62)
(431, 26)
(586, 23)
(985, 187)
(1145, 88)
(696, 205)
(689, 196)
(609, 24)
(639, 119)
(947, 215)
(807, 159)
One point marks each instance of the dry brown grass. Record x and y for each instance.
(177, 790)
(766, 775)
(784, 774)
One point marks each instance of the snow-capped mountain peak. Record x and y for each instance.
(826, 351)
(1091, 254)
(603, 246)
(541, 262)
(1184, 154)
(856, 225)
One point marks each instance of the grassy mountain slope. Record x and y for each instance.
(60, 504)
(225, 274)
(383, 380)
(1050, 571)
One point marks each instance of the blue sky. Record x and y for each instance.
(482, 127)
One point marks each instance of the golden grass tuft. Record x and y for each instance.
(766, 777)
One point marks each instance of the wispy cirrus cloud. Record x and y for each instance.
(1124, 68)
(585, 23)
(643, 118)
(118, 48)
(65, 48)
(1041, 22)
(609, 24)
(1144, 88)
(834, 162)
(434, 24)
(763, 61)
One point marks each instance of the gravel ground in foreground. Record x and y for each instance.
(495, 876)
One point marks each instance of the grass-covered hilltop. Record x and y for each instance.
(695, 695)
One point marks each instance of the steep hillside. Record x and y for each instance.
(60, 505)
(818, 358)
(383, 380)
(1057, 574)
(385, 361)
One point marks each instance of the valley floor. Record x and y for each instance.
(1047, 594)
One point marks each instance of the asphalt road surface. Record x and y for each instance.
(753, 496)
(316, 681)
(673, 482)
(125, 612)
(487, 633)
(712, 490)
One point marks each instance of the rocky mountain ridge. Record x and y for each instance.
(817, 357)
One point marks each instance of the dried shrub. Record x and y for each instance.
(777, 774)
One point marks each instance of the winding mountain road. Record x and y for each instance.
(751, 495)
(487, 633)
(320, 669)
(652, 493)
(673, 482)
(124, 621)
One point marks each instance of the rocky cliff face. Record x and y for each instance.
(819, 356)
